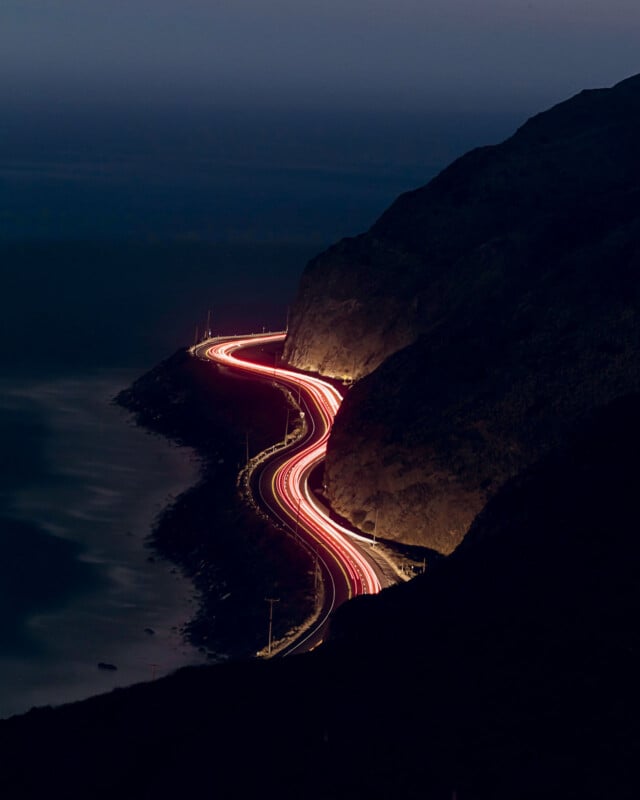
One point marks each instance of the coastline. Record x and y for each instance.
(88, 591)
(234, 557)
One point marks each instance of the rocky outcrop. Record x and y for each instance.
(356, 305)
(502, 302)
(439, 245)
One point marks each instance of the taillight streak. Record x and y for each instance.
(291, 477)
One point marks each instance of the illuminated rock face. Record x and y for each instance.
(351, 312)
(484, 315)
(437, 429)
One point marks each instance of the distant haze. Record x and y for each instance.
(409, 54)
(162, 157)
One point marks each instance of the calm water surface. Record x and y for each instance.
(78, 585)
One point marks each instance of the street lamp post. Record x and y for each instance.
(271, 601)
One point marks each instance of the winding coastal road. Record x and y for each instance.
(345, 567)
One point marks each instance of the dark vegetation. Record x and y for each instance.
(234, 557)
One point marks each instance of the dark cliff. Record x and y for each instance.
(488, 312)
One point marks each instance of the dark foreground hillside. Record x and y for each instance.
(508, 671)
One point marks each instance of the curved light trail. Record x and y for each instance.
(287, 483)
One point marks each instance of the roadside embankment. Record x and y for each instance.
(234, 558)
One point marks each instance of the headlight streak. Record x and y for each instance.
(290, 484)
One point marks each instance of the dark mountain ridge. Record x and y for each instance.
(503, 301)
(564, 164)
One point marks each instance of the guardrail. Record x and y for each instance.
(227, 337)
(244, 476)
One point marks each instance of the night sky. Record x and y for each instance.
(245, 123)
(250, 122)
(448, 54)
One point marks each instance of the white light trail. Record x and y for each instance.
(290, 482)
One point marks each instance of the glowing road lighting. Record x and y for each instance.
(289, 491)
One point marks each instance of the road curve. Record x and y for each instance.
(345, 568)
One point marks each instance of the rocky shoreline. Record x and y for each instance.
(234, 558)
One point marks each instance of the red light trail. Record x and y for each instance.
(287, 490)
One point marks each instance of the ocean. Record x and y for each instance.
(79, 586)
(119, 231)
(85, 604)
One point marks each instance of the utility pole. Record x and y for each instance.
(153, 671)
(208, 332)
(271, 601)
(246, 444)
(375, 528)
(286, 427)
(195, 338)
(316, 577)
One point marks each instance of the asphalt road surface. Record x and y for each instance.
(344, 563)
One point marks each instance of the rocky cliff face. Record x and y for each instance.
(490, 310)
(356, 305)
